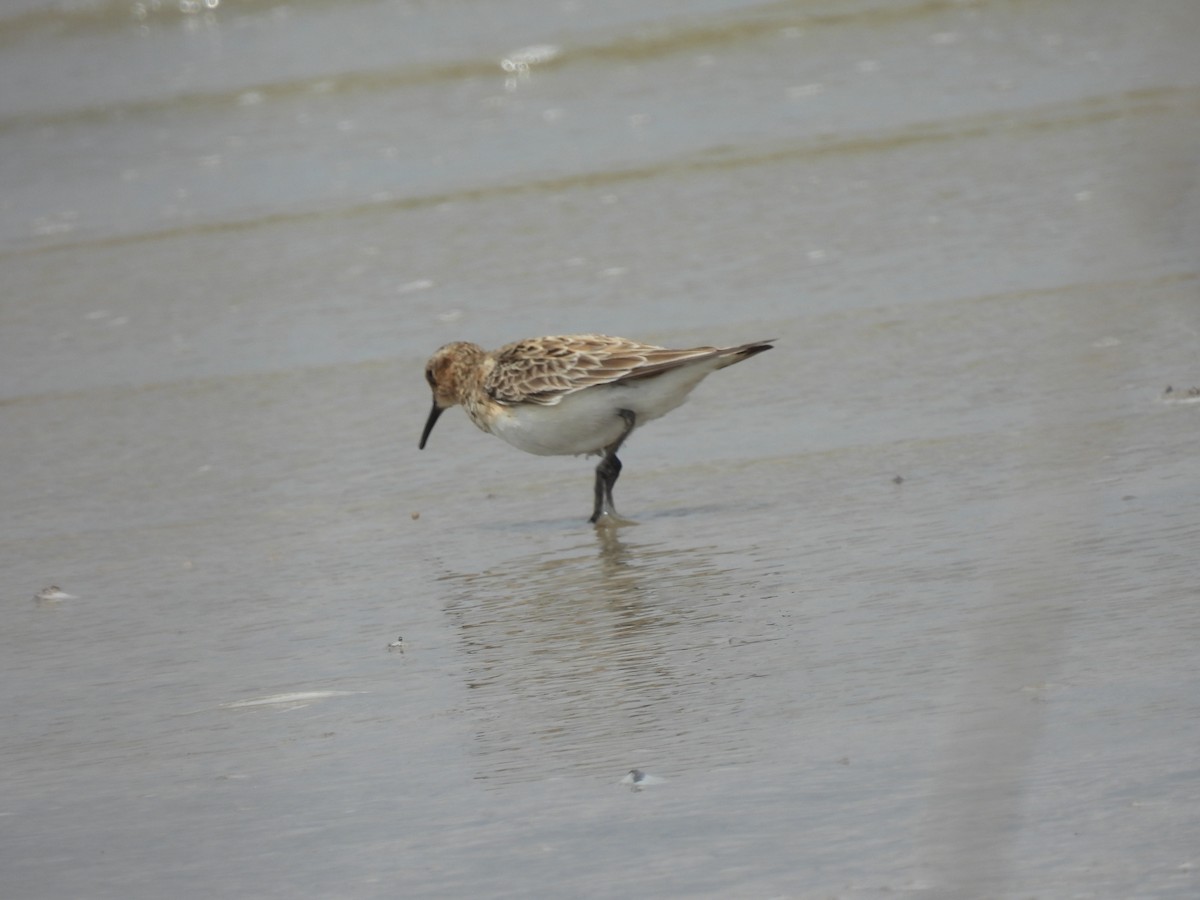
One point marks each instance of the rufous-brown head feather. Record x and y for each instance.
(446, 372)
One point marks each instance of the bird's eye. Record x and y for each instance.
(429, 378)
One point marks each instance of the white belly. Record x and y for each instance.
(587, 421)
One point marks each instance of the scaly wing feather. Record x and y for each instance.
(544, 370)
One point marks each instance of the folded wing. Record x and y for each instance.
(545, 370)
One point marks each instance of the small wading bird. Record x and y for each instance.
(571, 395)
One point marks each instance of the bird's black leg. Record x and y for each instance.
(606, 477)
(609, 471)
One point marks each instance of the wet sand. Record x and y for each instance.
(912, 600)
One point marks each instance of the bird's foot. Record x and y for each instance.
(609, 518)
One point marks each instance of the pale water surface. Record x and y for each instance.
(914, 600)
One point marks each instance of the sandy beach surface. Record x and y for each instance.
(913, 600)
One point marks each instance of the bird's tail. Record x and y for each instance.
(731, 355)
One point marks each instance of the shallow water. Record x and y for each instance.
(912, 600)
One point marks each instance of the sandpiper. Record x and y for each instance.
(571, 395)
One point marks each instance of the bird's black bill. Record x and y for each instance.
(433, 417)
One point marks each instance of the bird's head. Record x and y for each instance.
(448, 372)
